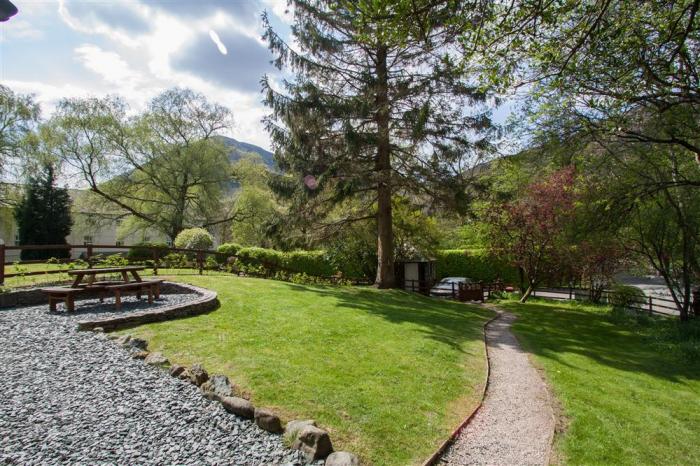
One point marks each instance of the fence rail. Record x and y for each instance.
(157, 253)
(649, 304)
(90, 254)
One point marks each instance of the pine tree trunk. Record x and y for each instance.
(385, 235)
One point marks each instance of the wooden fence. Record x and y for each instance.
(471, 292)
(156, 253)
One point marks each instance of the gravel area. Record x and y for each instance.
(516, 423)
(69, 397)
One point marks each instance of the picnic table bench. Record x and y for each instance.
(67, 293)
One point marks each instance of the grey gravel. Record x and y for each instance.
(516, 422)
(69, 397)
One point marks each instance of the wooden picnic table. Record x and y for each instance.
(91, 273)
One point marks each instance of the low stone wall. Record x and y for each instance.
(206, 302)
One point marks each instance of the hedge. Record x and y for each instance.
(144, 251)
(315, 263)
(475, 264)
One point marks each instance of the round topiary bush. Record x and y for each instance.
(624, 296)
(194, 238)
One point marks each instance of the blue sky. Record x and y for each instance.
(138, 48)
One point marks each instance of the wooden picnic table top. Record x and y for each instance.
(95, 271)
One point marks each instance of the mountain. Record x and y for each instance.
(239, 148)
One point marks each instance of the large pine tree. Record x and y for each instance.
(372, 113)
(43, 216)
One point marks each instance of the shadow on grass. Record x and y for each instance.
(551, 331)
(444, 321)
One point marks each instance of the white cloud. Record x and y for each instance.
(19, 29)
(93, 24)
(220, 45)
(284, 12)
(136, 63)
(109, 65)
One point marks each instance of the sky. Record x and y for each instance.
(139, 48)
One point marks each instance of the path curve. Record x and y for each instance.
(515, 424)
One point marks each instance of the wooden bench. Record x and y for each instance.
(62, 293)
(152, 287)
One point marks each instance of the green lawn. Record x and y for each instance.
(388, 373)
(629, 396)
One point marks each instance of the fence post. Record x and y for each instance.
(2, 262)
(651, 306)
(200, 262)
(571, 291)
(89, 255)
(155, 261)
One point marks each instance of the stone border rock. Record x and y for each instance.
(313, 442)
(206, 302)
(34, 296)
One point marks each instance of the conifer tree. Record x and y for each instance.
(43, 216)
(372, 112)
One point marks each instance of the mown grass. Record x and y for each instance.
(388, 373)
(629, 387)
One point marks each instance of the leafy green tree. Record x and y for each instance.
(372, 113)
(19, 115)
(164, 167)
(255, 207)
(43, 216)
(645, 195)
(194, 238)
(621, 69)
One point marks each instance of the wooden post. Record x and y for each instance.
(570, 292)
(155, 261)
(200, 262)
(2, 262)
(651, 306)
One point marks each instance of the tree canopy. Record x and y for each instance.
(370, 113)
(164, 166)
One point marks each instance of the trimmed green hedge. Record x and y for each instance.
(309, 262)
(475, 264)
(314, 263)
(144, 251)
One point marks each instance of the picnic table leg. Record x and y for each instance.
(70, 303)
(52, 304)
(78, 279)
(156, 290)
(138, 293)
(150, 295)
(136, 275)
(117, 300)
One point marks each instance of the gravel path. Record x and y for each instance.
(69, 397)
(516, 423)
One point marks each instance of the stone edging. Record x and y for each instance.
(206, 302)
(443, 447)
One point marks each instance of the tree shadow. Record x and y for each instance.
(448, 322)
(551, 331)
